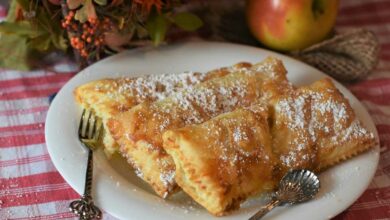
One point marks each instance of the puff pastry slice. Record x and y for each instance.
(312, 127)
(315, 127)
(139, 130)
(108, 97)
(223, 161)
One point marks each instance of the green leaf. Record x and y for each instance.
(141, 32)
(157, 26)
(85, 12)
(81, 15)
(19, 39)
(11, 16)
(14, 52)
(25, 4)
(21, 28)
(47, 22)
(41, 43)
(121, 23)
(73, 4)
(187, 21)
(59, 42)
(90, 9)
(101, 2)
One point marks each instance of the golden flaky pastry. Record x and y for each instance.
(223, 161)
(139, 130)
(227, 134)
(108, 97)
(315, 127)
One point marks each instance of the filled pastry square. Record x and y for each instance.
(223, 161)
(315, 127)
(139, 130)
(109, 97)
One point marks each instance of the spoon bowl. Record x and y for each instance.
(298, 186)
(295, 187)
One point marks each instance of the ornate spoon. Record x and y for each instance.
(295, 187)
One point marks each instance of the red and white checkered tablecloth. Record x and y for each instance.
(31, 187)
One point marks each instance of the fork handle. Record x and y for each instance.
(88, 174)
(265, 209)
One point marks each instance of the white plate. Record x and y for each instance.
(118, 191)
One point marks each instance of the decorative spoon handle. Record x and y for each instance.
(265, 209)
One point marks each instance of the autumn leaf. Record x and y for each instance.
(13, 52)
(59, 42)
(41, 43)
(12, 11)
(73, 4)
(157, 26)
(141, 31)
(85, 12)
(101, 2)
(25, 4)
(21, 28)
(187, 21)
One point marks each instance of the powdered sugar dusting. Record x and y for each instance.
(269, 68)
(167, 177)
(336, 108)
(289, 159)
(210, 101)
(239, 135)
(355, 130)
(294, 110)
(151, 87)
(312, 116)
(313, 111)
(138, 172)
(167, 173)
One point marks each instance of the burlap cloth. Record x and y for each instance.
(348, 56)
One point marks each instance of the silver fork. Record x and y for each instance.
(89, 135)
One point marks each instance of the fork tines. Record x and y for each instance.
(89, 127)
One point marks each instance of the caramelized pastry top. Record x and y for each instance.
(221, 162)
(108, 97)
(204, 101)
(311, 119)
(139, 130)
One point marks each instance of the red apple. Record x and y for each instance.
(291, 24)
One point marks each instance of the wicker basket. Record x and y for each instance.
(348, 56)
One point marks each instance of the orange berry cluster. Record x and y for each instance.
(87, 36)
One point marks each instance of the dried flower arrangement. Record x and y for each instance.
(93, 28)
